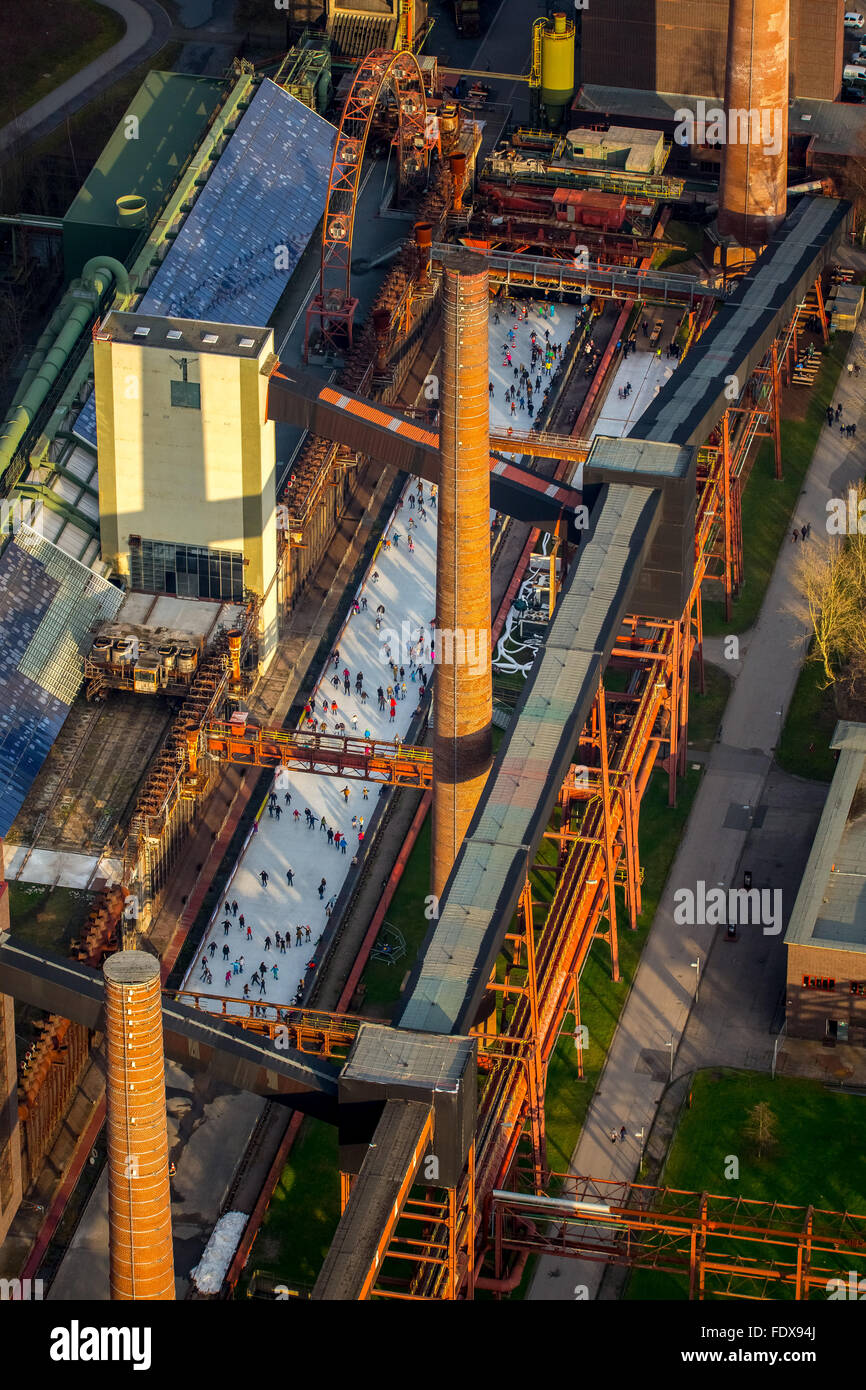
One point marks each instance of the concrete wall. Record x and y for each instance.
(807, 1009)
(198, 477)
(677, 46)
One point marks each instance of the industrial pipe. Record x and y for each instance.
(53, 349)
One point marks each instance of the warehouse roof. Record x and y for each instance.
(48, 605)
(834, 127)
(149, 146)
(830, 909)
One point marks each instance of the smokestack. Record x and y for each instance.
(752, 193)
(463, 702)
(139, 1200)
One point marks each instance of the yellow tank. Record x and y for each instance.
(557, 68)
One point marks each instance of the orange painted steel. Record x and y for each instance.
(463, 706)
(331, 755)
(312, 1031)
(139, 1201)
(748, 1247)
(420, 1148)
(382, 74)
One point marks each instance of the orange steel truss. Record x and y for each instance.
(730, 1247)
(393, 82)
(594, 841)
(331, 755)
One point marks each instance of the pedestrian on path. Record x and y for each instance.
(613, 1136)
(622, 1134)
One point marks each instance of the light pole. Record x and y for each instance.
(696, 966)
(671, 1046)
(640, 1136)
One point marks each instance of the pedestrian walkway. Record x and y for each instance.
(147, 27)
(656, 1013)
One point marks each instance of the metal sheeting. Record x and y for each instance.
(690, 405)
(48, 603)
(266, 195)
(516, 804)
(266, 192)
(830, 908)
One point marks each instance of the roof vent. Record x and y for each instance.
(210, 338)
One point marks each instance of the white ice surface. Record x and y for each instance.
(406, 586)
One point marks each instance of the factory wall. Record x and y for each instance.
(676, 46)
(196, 477)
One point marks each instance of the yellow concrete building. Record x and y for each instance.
(187, 465)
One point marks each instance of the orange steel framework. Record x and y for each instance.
(595, 842)
(332, 755)
(728, 1246)
(383, 77)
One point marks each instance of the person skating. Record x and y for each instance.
(212, 946)
(249, 933)
(228, 978)
(264, 878)
(226, 952)
(290, 876)
(299, 936)
(307, 930)
(234, 909)
(242, 921)
(267, 943)
(226, 925)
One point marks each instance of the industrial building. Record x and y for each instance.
(219, 380)
(674, 46)
(826, 935)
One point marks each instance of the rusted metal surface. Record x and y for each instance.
(753, 189)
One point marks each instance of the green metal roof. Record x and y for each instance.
(172, 111)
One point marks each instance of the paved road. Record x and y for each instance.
(147, 29)
(738, 1003)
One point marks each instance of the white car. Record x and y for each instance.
(854, 20)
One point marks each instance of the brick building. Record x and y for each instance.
(826, 936)
(677, 46)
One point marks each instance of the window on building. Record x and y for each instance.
(186, 394)
(190, 571)
(858, 987)
(818, 982)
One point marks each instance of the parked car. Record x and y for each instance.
(854, 20)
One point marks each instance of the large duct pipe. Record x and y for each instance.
(753, 192)
(139, 1200)
(463, 697)
(52, 351)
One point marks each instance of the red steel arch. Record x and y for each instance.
(394, 81)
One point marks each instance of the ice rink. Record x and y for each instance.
(406, 587)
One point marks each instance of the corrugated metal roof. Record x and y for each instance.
(171, 111)
(693, 400)
(830, 908)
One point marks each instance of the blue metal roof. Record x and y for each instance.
(48, 603)
(252, 222)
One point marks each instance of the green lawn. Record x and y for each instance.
(688, 234)
(48, 917)
(705, 711)
(59, 38)
(768, 506)
(818, 1159)
(304, 1211)
(804, 745)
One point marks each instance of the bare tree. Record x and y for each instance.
(830, 602)
(761, 1127)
